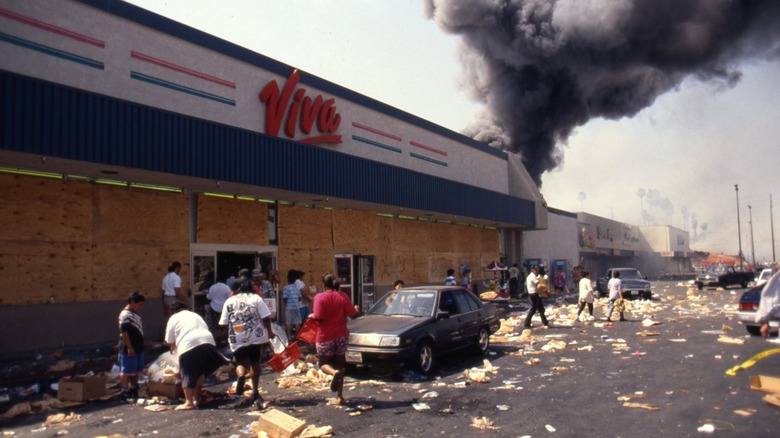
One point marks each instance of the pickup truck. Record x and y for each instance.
(724, 276)
(633, 283)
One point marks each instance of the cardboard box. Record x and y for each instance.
(171, 390)
(81, 388)
(765, 383)
(277, 424)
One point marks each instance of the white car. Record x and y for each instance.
(763, 276)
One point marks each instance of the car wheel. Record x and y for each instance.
(753, 330)
(700, 286)
(483, 340)
(744, 284)
(723, 285)
(424, 357)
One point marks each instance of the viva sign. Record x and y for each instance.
(301, 110)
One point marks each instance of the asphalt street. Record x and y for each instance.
(627, 379)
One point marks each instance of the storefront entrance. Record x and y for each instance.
(216, 263)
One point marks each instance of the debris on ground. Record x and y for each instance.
(62, 419)
(483, 423)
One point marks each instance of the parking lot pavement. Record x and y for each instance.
(660, 373)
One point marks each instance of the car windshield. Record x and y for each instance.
(408, 303)
(633, 274)
(716, 269)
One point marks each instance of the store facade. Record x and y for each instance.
(128, 141)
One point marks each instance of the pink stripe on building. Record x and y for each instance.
(51, 28)
(376, 131)
(428, 148)
(180, 69)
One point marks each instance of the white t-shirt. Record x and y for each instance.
(514, 272)
(187, 330)
(170, 282)
(586, 290)
(531, 282)
(218, 294)
(615, 285)
(243, 314)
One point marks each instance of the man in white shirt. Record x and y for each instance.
(615, 287)
(537, 304)
(218, 293)
(171, 288)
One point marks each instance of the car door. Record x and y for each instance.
(469, 316)
(448, 330)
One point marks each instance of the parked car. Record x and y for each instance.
(415, 326)
(724, 276)
(634, 284)
(748, 306)
(763, 276)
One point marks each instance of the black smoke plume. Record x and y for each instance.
(544, 67)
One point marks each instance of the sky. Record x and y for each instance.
(675, 162)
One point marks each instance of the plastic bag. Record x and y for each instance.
(164, 369)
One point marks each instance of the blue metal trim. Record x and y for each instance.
(180, 88)
(51, 51)
(42, 118)
(165, 25)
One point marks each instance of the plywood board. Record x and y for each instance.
(355, 231)
(232, 221)
(301, 227)
(29, 207)
(37, 272)
(409, 235)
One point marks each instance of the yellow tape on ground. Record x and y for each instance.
(752, 361)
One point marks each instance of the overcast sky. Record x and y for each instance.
(683, 153)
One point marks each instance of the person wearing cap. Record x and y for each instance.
(131, 345)
(260, 279)
(537, 304)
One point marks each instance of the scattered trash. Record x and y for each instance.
(549, 428)
(482, 423)
(421, 406)
(430, 394)
(649, 322)
(24, 408)
(62, 365)
(745, 412)
(502, 407)
(156, 408)
(62, 419)
(706, 428)
(730, 340)
(476, 375)
(317, 432)
(647, 406)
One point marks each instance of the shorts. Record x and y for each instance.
(199, 361)
(293, 317)
(249, 353)
(304, 312)
(131, 366)
(336, 347)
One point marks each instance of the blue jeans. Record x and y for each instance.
(612, 307)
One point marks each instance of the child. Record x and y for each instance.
(131, 345)
(450, 280)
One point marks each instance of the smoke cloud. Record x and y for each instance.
(544, 67)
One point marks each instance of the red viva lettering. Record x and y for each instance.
(301, 110)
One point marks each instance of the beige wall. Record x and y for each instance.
(77, 242)
(83, 242)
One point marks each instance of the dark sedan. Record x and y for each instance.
(413, 326)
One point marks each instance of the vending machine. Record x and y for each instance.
(356, 274)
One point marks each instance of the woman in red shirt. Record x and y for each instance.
(331, 309)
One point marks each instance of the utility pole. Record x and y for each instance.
(739, 227)
(772, 225)
(752, 244)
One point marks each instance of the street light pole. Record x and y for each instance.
(752, 244)
(772, 225)
(739, 227)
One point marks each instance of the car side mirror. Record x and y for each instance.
(443, 314)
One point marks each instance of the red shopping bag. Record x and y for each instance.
(308, 331)
(282, 360)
